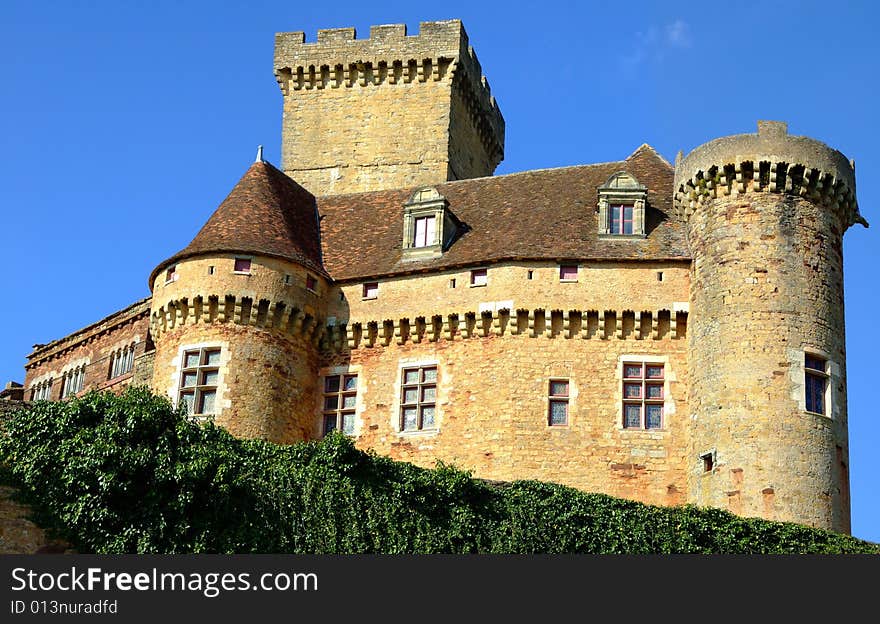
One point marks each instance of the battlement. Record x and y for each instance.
(770, 161)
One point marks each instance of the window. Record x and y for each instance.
(621, 219)
(815, 381)
(198, 380)
(42, 391)
(568, 273)
(340, 394)
(72, 381)
(530, 274)
(211, 270)
(311, 282)
(452, 283)
(371, 290)
(708, 459)
(622, 206)
(642, 395)
(171, 274)
(426, 229)
(418, 398)
(557, 413)
(429, 227)
(121, 361)
(242, 265)
(479, 277)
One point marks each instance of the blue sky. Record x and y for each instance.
(124, 124)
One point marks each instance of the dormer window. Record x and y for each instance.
(621, 209)
(622, 219)
(428, 225)
(426, 231)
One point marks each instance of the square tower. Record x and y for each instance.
(386, 112)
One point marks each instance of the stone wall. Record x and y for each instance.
(636, 286)
(93, 347)
(765, 226)
(266, 386)
(492, 411)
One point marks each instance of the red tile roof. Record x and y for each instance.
(545, 214)
(266, 213)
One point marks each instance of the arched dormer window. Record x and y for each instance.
(621, 208)
(428, 224)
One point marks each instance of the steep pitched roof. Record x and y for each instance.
(547, 214)
(266, 213)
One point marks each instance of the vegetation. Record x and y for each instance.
(120, 474)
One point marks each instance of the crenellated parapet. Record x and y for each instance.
(771, 161)
(547, 322)
(283, 317)
(390, 58)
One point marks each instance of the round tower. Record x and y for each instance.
(765, 217)
(237, 314)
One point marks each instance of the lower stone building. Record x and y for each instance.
(668, 334)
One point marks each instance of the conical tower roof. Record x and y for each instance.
(266, 214)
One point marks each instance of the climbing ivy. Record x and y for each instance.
(130, 474)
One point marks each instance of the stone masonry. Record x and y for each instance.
(679, 342)
(386, 112)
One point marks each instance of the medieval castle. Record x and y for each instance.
(669, 334)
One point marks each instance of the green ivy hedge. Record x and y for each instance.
(128, 473)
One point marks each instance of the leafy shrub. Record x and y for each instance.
(129, 473)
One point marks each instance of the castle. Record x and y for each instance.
(668, 334)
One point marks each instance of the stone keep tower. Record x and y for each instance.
(391, 111)
(765, 215)
(236, 314)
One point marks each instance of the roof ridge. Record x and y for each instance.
(648, 146)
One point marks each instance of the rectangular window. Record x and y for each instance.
(311, 282)
(418, 398)
(198, 380)
(621, 219)
(242, 265)
(425, 231)
(568, 272)
(815, 381)
(171, 274)
(558, 409)
(479, 277)
(340, 396)
(371, 290)
(643, 395)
